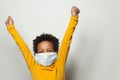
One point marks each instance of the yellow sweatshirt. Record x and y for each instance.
(56, 71)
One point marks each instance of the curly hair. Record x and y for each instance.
(46, 37)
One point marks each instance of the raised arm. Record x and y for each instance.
(20, 42)
(67, 39)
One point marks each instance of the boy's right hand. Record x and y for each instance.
(9, 21)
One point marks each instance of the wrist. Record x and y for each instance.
(74, 18)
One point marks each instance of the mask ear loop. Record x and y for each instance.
(34, 53)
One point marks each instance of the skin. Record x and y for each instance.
(45, 46)
(75, 11)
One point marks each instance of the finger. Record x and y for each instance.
(10, 17)
(77, 10)
(73, 6)
(6, 23)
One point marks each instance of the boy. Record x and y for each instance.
(47, 63)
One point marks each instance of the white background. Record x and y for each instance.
(94, 52)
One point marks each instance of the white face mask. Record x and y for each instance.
(46, 59)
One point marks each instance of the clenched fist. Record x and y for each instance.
(75, 11)
(9, 21)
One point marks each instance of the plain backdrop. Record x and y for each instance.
(95, 49)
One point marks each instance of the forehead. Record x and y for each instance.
(45, 44)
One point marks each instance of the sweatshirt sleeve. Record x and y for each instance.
(22, 46)
(67, 39)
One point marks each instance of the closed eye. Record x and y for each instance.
(50, 50)
(40, 51)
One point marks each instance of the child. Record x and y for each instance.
(47, 63)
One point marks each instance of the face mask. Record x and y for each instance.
(46, 59)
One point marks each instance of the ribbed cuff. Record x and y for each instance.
(9, 27)
(74, 18)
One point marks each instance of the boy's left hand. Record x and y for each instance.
(75, 11)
